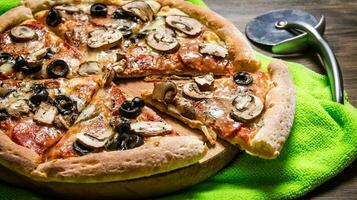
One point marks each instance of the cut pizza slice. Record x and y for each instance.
(34, 115)
(115, 139)
(252, 110)
(29, 50)
(140, 38)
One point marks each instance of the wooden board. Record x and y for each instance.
(217, 157)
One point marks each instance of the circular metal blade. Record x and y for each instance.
(262, 30)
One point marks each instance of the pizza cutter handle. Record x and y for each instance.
(329, 59)
(298, 43)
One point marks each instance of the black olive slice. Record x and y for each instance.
(20, 62)
(129, 141)
(98, 10)
(58, 68)
(126, 31)
(3, 114)
(65, 104)
(138, 102)
(53, 18)
(80, 149)
(38, 87)
(32, 68)
(38, 97)
(28, 68)
(123, 127)
(4, 57)
(243, 78)
(128, 110)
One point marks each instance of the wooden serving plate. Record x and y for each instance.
(217, 157)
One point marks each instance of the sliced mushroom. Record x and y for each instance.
(162, 41)
(4, 92)
(37, 55)
(184, 24)
(210, 134)
(164, 91)
(46, 113)
(22, 33)
(154, 5)
(18, 108)
(150, 128)
(246, 107)
(68, 8)
(88, 113)
(89, 68)
(95, 139)
(184, 107)
(63, 121)
(119, 66)
(140, 9)
(205, 83)
(213, 49)
(104, 38)
(191, 90)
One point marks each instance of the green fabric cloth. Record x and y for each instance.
(322, 143)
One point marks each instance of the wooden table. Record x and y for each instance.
(341, 33)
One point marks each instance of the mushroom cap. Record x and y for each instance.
(205, 82)
(150, 128)
(102, 38)
(22, 33)
(162, 41)
(140, 9)
(246, 107)
(214, 49)
(191, 90)
(164, 91)
(184, 24)
(89, 68)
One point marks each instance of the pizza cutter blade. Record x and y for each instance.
(292, 31)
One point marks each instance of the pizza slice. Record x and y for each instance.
(252, 110)
(140, 38)
(116, 138)
(34, 115)
(31, 51)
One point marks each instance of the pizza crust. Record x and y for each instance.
(154, 157)
(278, 117)
(17, 158)
(14, 17)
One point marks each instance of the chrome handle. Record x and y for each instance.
(331, 65)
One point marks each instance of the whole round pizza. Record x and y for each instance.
(64, 118)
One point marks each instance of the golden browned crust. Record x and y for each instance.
(156, 156)
(240, 50)
(279, 114)
(17, 158)
(14, 17)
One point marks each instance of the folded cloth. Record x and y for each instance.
(322, 143)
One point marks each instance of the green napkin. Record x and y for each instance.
(322, 143)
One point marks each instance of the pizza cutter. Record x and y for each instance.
(293, 31)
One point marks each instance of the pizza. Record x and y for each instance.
(66, 119)
(251, 110)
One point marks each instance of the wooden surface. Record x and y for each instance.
(341, 33)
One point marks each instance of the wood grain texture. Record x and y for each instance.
(341, 33)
